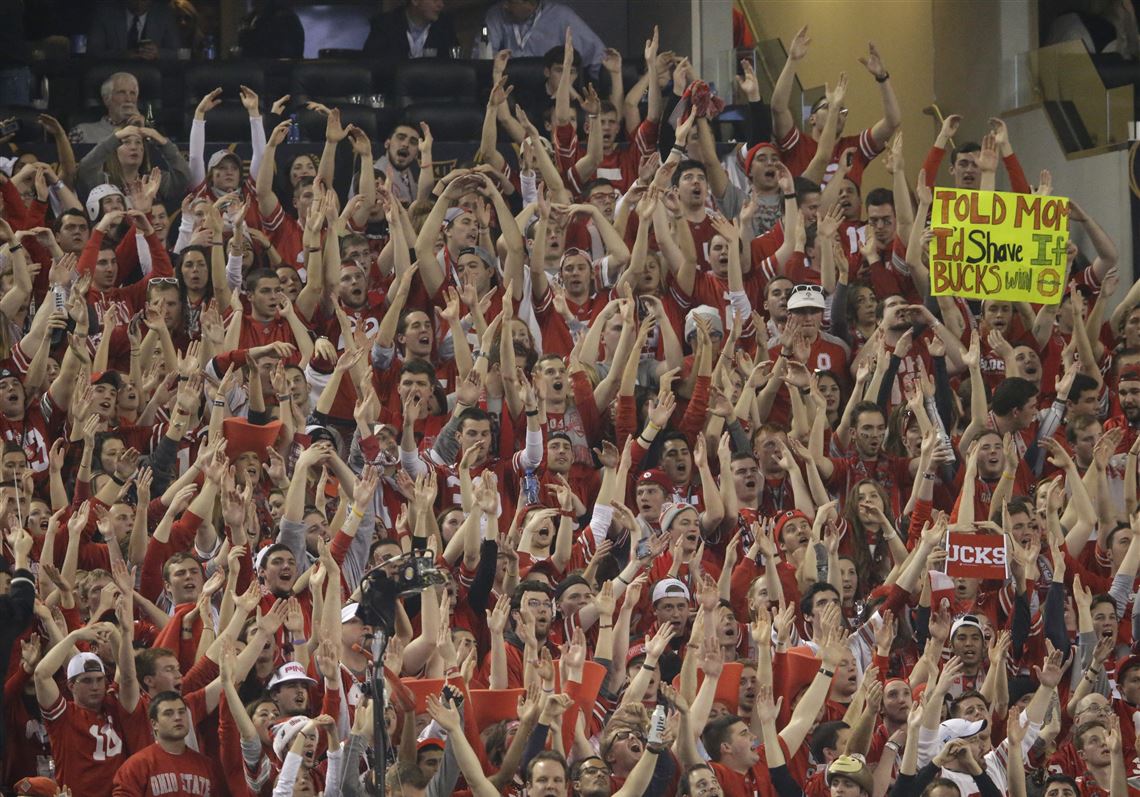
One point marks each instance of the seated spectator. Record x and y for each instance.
(145, 29)
(419, 29)
(120, 95)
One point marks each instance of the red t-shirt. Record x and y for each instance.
(153, 772)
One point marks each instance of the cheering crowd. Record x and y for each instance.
(682, 430)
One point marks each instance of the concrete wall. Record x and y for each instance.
(1100, 183)
(840, 30)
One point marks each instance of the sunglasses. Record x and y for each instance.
(163, 280)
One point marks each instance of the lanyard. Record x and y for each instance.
(520, 39)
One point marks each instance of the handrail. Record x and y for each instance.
(1085, 114)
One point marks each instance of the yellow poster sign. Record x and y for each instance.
(996, 245)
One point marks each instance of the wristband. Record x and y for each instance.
(117, 480)
(928, 476)
(605, 625)
(883, 78)
(824, 671)
(312, 249)
(216, 403)
(651, 425)
(1005, 474)
(678, 148)
(283, 397)
(790, 196)
(296, 642)
(357, 512)
(15, 247)
(531, 413)
(650, 667)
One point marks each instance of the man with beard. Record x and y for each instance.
(964, 157)
(169, 766)
(1128, 419)
(120, 95)
(897, 702)
(400, 159)
(869, 461)
(798, 149)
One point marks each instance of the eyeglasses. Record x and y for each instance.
(621, 736)
(163, 280)
(823, 106)
(534, 603)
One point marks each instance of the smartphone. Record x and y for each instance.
(9, 127)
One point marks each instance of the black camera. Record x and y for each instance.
(414, 572)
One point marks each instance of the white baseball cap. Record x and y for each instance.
(289, 671)
(284, 732)
(84, 662)
(966, 620)
(959, 728)
(348, 613)
(806, 297)
(669, 586)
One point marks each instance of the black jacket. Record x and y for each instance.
(388, 37)
(16, 609)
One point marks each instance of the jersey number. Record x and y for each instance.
(107, 742)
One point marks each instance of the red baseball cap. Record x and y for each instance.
(38, 787)
(658, 477)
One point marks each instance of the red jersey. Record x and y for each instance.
(892, 474)
(620, 167)
(797, 150)
(286, 236)
(91, 746)
(154, 772)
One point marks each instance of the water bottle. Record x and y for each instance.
(294, 136)
(530, 487)
(485, 53)
(149, 115)
(657, 726)
(210, 49)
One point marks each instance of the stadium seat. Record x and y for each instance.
(201, 79)
(448, 121)
(313, 123)
(433, 80)
(330, 83)
(30, 129)
(228, 122)
(526, 75)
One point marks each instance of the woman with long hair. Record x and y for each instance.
(124, 157)
(868, 536)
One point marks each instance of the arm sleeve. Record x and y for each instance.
(884, 397)
(291, 533)
(197, 153)
(839, 326)
(257, 144)
(784, 783)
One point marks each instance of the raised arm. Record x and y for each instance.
(782, 120)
